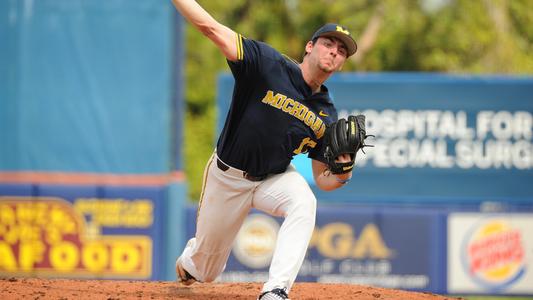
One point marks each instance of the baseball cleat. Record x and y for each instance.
(275, 294)
(182, 276)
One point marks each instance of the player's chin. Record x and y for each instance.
(328, 68)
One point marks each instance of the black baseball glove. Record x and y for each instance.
(344, 137)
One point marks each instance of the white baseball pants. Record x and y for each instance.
(226, 200)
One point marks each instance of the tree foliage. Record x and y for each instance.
(454, 36)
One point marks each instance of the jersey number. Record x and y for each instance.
(305, 142)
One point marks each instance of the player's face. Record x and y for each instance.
(330, 54)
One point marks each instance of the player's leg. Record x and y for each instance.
(287, 195)
(225, 202)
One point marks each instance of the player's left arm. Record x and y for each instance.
(327, 181)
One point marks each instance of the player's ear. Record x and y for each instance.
(309, 47)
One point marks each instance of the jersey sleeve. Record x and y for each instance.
(251, 58)
(248, 57)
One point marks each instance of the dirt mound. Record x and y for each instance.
(37, 288)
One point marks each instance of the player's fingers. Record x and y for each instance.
(343, 158)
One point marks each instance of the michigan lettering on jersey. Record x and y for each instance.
(296, 109)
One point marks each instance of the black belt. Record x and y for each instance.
(222, 166)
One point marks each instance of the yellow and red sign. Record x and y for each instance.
(495, 252)
(490, 253)
(48, 236)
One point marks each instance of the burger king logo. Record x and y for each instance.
(494, 254)
(256, 240)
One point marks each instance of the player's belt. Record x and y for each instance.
(224, 167)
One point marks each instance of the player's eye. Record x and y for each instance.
(342, 51)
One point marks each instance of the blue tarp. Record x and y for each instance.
(85, 86)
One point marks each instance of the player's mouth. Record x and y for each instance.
(329, 61)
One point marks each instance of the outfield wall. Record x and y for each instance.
(91, 180)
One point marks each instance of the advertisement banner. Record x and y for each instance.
(87, 236)
(490, 253)
(376, 247)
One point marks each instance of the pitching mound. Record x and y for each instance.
(36, 288)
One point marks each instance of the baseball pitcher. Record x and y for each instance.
(280, 108)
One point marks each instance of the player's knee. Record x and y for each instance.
(305, 210)
(308, 205)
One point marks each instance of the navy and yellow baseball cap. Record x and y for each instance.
(340, 32)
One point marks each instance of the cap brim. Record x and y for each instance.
(348, 41)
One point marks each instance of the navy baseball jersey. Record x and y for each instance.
(273, 114)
